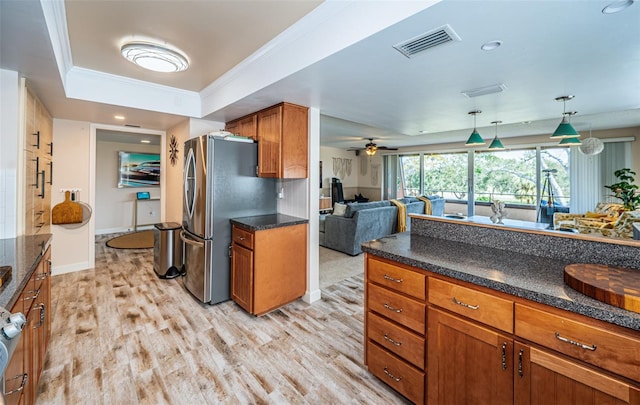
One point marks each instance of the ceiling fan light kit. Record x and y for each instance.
(155, 57)
(475, 139)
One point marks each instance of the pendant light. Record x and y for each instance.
(591, 146)
(565, 129)
(496, 144)
(475, 138)
(570, 142)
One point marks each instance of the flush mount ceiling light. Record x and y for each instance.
(496, 144)
(617, 6)
(565, 129)
(158, 58)
(475, 138)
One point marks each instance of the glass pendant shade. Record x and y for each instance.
(570, 142)
(475, 139)
(565, 130)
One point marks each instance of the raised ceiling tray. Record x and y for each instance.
(617, 286)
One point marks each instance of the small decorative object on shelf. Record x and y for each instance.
(499, 212)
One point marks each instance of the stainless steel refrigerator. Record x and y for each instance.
(220, 183)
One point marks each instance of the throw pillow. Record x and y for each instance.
(590, 214)
(339, 209)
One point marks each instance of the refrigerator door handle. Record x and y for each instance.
(190, 241)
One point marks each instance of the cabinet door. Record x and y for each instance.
(546, 379)
(467, 363)
(242, 277)
(269, 142)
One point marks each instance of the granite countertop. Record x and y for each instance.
(22, 254)
(262, 222)
(531, 277)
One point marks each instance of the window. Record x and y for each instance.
(508, 176)
(519, 177)
(408, 175)
(446, 175)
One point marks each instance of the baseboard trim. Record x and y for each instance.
(312, 296)
(71, 268)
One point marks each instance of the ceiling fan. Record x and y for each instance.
(370, 148)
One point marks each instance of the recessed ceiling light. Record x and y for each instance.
(119, 117)
(491, 45)
(526, 122)
(617, 6)
(158, 58)
(424, 131)
(483, 91)
(145, 141)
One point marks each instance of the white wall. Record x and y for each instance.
(359, 180)
(9, 151)
(71, 159)
(115, 206)
(174, 173)
(370, 176)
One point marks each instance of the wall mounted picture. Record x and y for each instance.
(138, 169)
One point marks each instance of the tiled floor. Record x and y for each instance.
(121, 335)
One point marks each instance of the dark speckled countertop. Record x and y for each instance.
(262, 222)
(22, 254)
(535, 278)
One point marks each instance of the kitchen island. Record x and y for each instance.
(489, 322)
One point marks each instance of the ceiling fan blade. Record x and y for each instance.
(386, 148)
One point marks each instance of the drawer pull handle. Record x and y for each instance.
(573, 342)
(396, 379)
(395, 280)
(240, 238)
(474, 307)
(393, 342)
(390, 308)
(504, 355)
(520, 372)
(35, 295)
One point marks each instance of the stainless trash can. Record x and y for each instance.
(167, 250)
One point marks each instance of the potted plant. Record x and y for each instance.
(625, 190)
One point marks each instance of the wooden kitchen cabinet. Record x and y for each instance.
(283, 138)
(268, 267)
(23, 372)
(245, 126)
(395, 326)
(547, 379)
(38, 158)
(483, 346)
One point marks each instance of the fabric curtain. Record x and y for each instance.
(589, 174)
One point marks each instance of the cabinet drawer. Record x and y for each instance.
(396, 373)
(242, 237)
(603, 348)
(481, 307)
(396, 339)
(397, 278)
(398, 308)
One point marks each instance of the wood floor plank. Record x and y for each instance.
(121, 335)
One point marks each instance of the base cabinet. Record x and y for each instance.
(23, 372)
(268, 267)
(485, 347)
(467, 363)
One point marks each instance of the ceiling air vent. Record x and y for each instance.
(428, 40)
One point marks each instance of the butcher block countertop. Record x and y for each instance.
(534, 278)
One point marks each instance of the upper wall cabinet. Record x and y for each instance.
(245, 126)
(283, 138)
(38, 150)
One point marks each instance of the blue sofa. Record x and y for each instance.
(363, 222)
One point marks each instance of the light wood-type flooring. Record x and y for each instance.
(121, 335)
